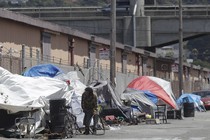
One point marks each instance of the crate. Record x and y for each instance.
(171, 114)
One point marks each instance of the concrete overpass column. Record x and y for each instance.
(127, 32)
(140, 8)
(143, 32)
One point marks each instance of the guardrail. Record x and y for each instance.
(65, 12)
(91, 8)
(173, 10)
(150, 10)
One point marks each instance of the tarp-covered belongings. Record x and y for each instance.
(105, 93)
(109, 100)
(159, 87)
(19, 93)
(76, 87)
(139, 99)
(78, 90)
(132, 94)
(191, 98)
(45, 70)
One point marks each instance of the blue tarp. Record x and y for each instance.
(44, 70)
(151, 96)
(191, 98)
(188, 98)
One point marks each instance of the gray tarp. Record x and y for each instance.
(138, 96)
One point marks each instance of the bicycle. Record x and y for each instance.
(99, 125)
(71, 126)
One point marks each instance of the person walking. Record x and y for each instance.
(89, 106)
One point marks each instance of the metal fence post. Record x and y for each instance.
(10, 60)
(37, 57)
(31, 57)
(23, 58)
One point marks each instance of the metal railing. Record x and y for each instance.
(173, 10)
(150, 10)
(45, 9)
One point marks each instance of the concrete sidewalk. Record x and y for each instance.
(190, 128)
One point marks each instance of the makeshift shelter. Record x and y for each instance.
(140, 100)
(112, 104)
(19, 93)
(191, 98)
(161, 88)
(32, 94)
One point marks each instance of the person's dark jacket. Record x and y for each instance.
(89, 100)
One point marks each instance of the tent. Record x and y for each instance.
(161, 88)
(191, 98)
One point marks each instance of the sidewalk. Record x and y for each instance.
(190, 128)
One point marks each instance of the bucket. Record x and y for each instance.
(57, 115)
(189, 110)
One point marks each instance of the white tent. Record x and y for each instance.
(19, 93)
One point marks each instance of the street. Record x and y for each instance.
(190, 128)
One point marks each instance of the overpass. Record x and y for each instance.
(159, 26)
(165, 23)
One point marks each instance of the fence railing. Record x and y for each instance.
(15, 61)
(173, 10)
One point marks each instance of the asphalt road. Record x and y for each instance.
(190, 128)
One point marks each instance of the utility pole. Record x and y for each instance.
(134, 24)
(112, 44)
(180, 49)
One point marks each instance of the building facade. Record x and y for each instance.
(27, 42)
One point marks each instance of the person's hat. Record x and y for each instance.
(89, 89)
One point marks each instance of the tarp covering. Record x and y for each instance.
(109, 100)
(45, 70)
(190, 98)
(139, 100)
(130, 94)
(159, 87)
(104, 90)
(151, 96)
(20, 93)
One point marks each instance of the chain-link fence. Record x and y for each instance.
(30, 57)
